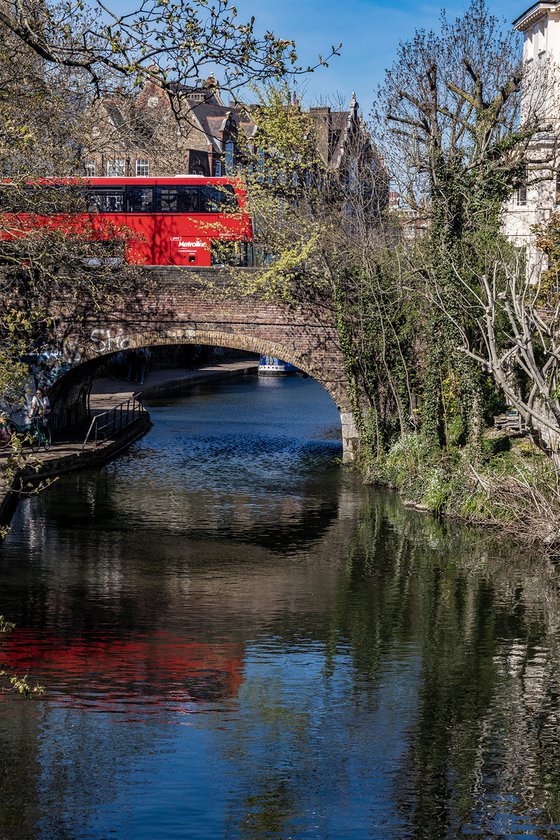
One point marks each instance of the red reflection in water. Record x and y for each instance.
(107, 669)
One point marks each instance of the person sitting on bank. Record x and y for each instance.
(40, 406)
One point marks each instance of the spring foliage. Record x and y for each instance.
(407, 285)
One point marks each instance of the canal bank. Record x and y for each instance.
(70, 455)
(233, 633)
(173, 382)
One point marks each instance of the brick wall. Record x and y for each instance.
(202, 306)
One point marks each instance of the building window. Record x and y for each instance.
(90, 169)
(261, 163)
(142, 167)
(353, 175)
(198, 163)
(539, 38)
(229, 157)
(521, 196)
(116, 168)
(217, 168)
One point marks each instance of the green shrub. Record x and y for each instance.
(437, 490)
(495, 445)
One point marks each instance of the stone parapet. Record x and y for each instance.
(210, 306)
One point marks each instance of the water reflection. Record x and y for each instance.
(271, 651)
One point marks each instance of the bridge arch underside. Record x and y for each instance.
(70, 395)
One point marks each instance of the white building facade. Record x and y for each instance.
(533, 202)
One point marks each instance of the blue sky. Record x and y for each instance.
(370, 31)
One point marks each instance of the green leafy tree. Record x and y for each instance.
(55, 60)
(323, 231)
(456, 140)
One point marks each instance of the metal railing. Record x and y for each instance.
(110, 423)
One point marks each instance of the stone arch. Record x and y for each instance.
(235, 341)
(70, 393)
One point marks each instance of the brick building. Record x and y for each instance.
(143, 134)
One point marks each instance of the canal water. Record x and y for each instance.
(239, 640)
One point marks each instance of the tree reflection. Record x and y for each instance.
(484, 747)
(396, 676)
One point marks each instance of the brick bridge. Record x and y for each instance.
(197, 306)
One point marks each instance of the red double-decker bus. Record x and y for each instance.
(186, 220)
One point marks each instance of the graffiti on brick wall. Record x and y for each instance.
(71, 350)
(107, 341)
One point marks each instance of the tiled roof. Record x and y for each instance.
(210, 115)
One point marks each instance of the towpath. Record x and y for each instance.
(64, 456)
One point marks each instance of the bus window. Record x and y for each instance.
(105, 201)
(140, 199)
(218, 199)
(230, 253)
(179, 199)
(34, 198)
(93, 203)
